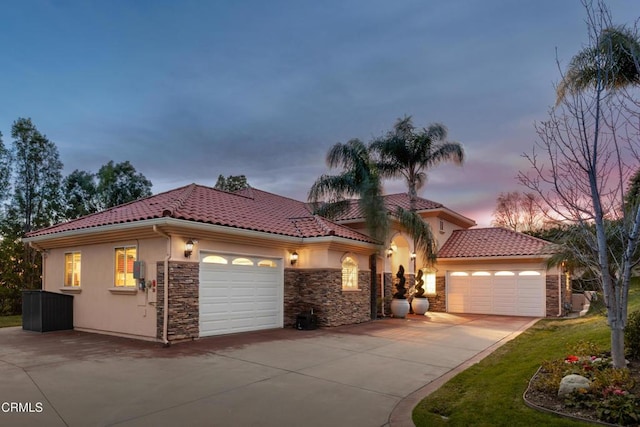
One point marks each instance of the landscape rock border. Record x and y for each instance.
(551, 411)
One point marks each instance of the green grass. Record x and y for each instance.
(490, 393)
(6, 321)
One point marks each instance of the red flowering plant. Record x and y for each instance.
(571, 359)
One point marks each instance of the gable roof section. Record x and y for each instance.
(393, 201)
(491, 242)
(248, 209)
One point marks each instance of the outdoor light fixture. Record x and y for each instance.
(188, 248)
(413, 256)
(294, 258)
(389, 252)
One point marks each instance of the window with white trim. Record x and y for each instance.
(429, 281)
(72, 263)
(125, 257)
(349, 274)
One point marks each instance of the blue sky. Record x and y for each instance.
(192, 89)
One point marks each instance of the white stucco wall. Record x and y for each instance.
(96, 306)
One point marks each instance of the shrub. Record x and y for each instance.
(632, 335)
(609, 379)
(584, 348)
(619, 408)
(10, 301)
(579, 399)
(552, 373)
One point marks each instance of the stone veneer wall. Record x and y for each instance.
(552, 295)
(388, 292)
(321, 290)
(438, 302)
(184, 281)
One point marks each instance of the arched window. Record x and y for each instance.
(266, 263)
(349, 273)
(505, 273)
(529, 273)
(242, 261)
(215, 259)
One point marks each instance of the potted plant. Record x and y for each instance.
(420, 303)
(399, 304)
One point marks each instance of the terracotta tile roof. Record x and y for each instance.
(249, 209)
(491, 242)
(391, 201)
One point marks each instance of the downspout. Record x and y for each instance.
(382, 290)
(560, 292)
(165, 311)
(43, 254)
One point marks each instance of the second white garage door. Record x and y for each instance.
(515, 293)
(239, 294)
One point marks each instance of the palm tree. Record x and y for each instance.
(612, 63)
(360, 180)
(406, 152)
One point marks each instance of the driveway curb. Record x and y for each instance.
(401, 416)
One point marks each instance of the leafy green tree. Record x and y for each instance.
(407, 152)
(5, 173)
(80, 193)
(359, 179)
(120, 183)
(231, 183)
(35, 202)
(37, 179)
(633, 192)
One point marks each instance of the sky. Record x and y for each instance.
(190, 90)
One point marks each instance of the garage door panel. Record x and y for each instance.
(240, 298)
(481, 305)
(491, 294)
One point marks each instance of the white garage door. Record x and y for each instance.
(239, 294)
(514, 293)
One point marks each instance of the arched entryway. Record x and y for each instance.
(397, 253)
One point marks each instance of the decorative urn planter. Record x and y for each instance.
(420, 305)
(399, 308)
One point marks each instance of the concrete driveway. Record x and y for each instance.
(363, 375)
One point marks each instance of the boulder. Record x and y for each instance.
(571, 383)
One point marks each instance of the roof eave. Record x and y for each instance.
(195, 227)
(495, 257)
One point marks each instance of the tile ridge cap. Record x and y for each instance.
(179, 201)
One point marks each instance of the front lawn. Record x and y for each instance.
(6, 321)
(490, 393)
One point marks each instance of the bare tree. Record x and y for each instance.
(524, 212)
(585, 153)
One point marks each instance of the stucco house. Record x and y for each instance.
(196, 261)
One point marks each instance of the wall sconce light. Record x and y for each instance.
(293, 258)
(389, 252)
(413, 257)
(188, 248)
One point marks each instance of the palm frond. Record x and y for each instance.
(448, 151)
(613, 63)
(424, 240)
(332, 210)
